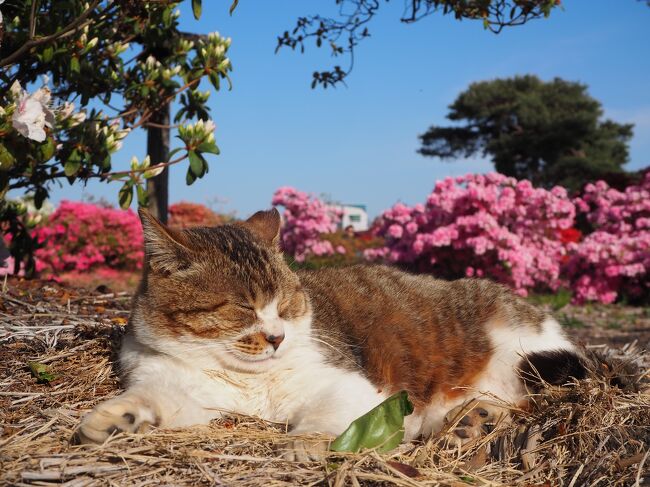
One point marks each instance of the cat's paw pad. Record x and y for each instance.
(118, 415)
(469, 422)
(304, 449)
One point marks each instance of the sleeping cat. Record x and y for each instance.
(220, 323)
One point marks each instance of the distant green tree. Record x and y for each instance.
(547, 132)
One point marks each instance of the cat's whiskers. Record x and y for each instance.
(332, 340)
(318, 340)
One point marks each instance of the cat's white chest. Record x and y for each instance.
(302, 389)
(263, 395)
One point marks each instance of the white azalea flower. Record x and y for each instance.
(29, 118)
(43, 96)
(32, 113)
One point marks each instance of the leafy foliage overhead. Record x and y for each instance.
(344, 32)
(547, 132)
(102, 68)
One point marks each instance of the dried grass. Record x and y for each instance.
(591, 434)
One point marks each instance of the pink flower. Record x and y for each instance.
(482, 225)
(395, 231)
(83, 236)
(305, 219)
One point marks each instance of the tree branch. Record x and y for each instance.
(67, 30)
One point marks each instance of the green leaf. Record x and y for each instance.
(126, 195)
(214, 79)
(106, 164)
(233, 6)
(71, 167)
(40, 195)
(40, 372)
(167, 17)
(174, 152)
(7, 159)
(209, 147)
(48, 54)
(196, 164)
(190, 177)
(196, 9)
(47, 149)
(143, 196)
(74, 64)
(381, 428)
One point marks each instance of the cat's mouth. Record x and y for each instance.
(253, 358)
(250, 363)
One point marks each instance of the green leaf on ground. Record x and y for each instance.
(41, 373)
(381, 428)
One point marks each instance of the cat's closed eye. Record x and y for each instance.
(244, 306)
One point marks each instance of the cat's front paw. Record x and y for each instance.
(304, 449)
(125, 413)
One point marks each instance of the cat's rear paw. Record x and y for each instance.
(469, 422)
(304, 449)
(125, 413)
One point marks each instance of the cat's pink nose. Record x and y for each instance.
(275, 340)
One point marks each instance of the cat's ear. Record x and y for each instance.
(266, 226)
(165, 249)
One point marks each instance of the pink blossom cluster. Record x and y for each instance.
(82, 236)
(481, 225)
(614, 258)
(305, 219)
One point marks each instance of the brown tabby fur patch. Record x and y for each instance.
(402, 331)
(411, 332)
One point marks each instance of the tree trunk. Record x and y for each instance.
(158, 151)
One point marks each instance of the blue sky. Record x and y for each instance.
(357, 144)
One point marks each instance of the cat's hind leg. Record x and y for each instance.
(472, 420)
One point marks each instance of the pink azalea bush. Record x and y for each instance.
(305, 220)
(185, 214)
(481, 225)
(82, 236)
(475, 225)
(614, 259)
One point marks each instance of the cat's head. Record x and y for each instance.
(224, 292)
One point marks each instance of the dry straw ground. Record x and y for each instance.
(596, 433)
